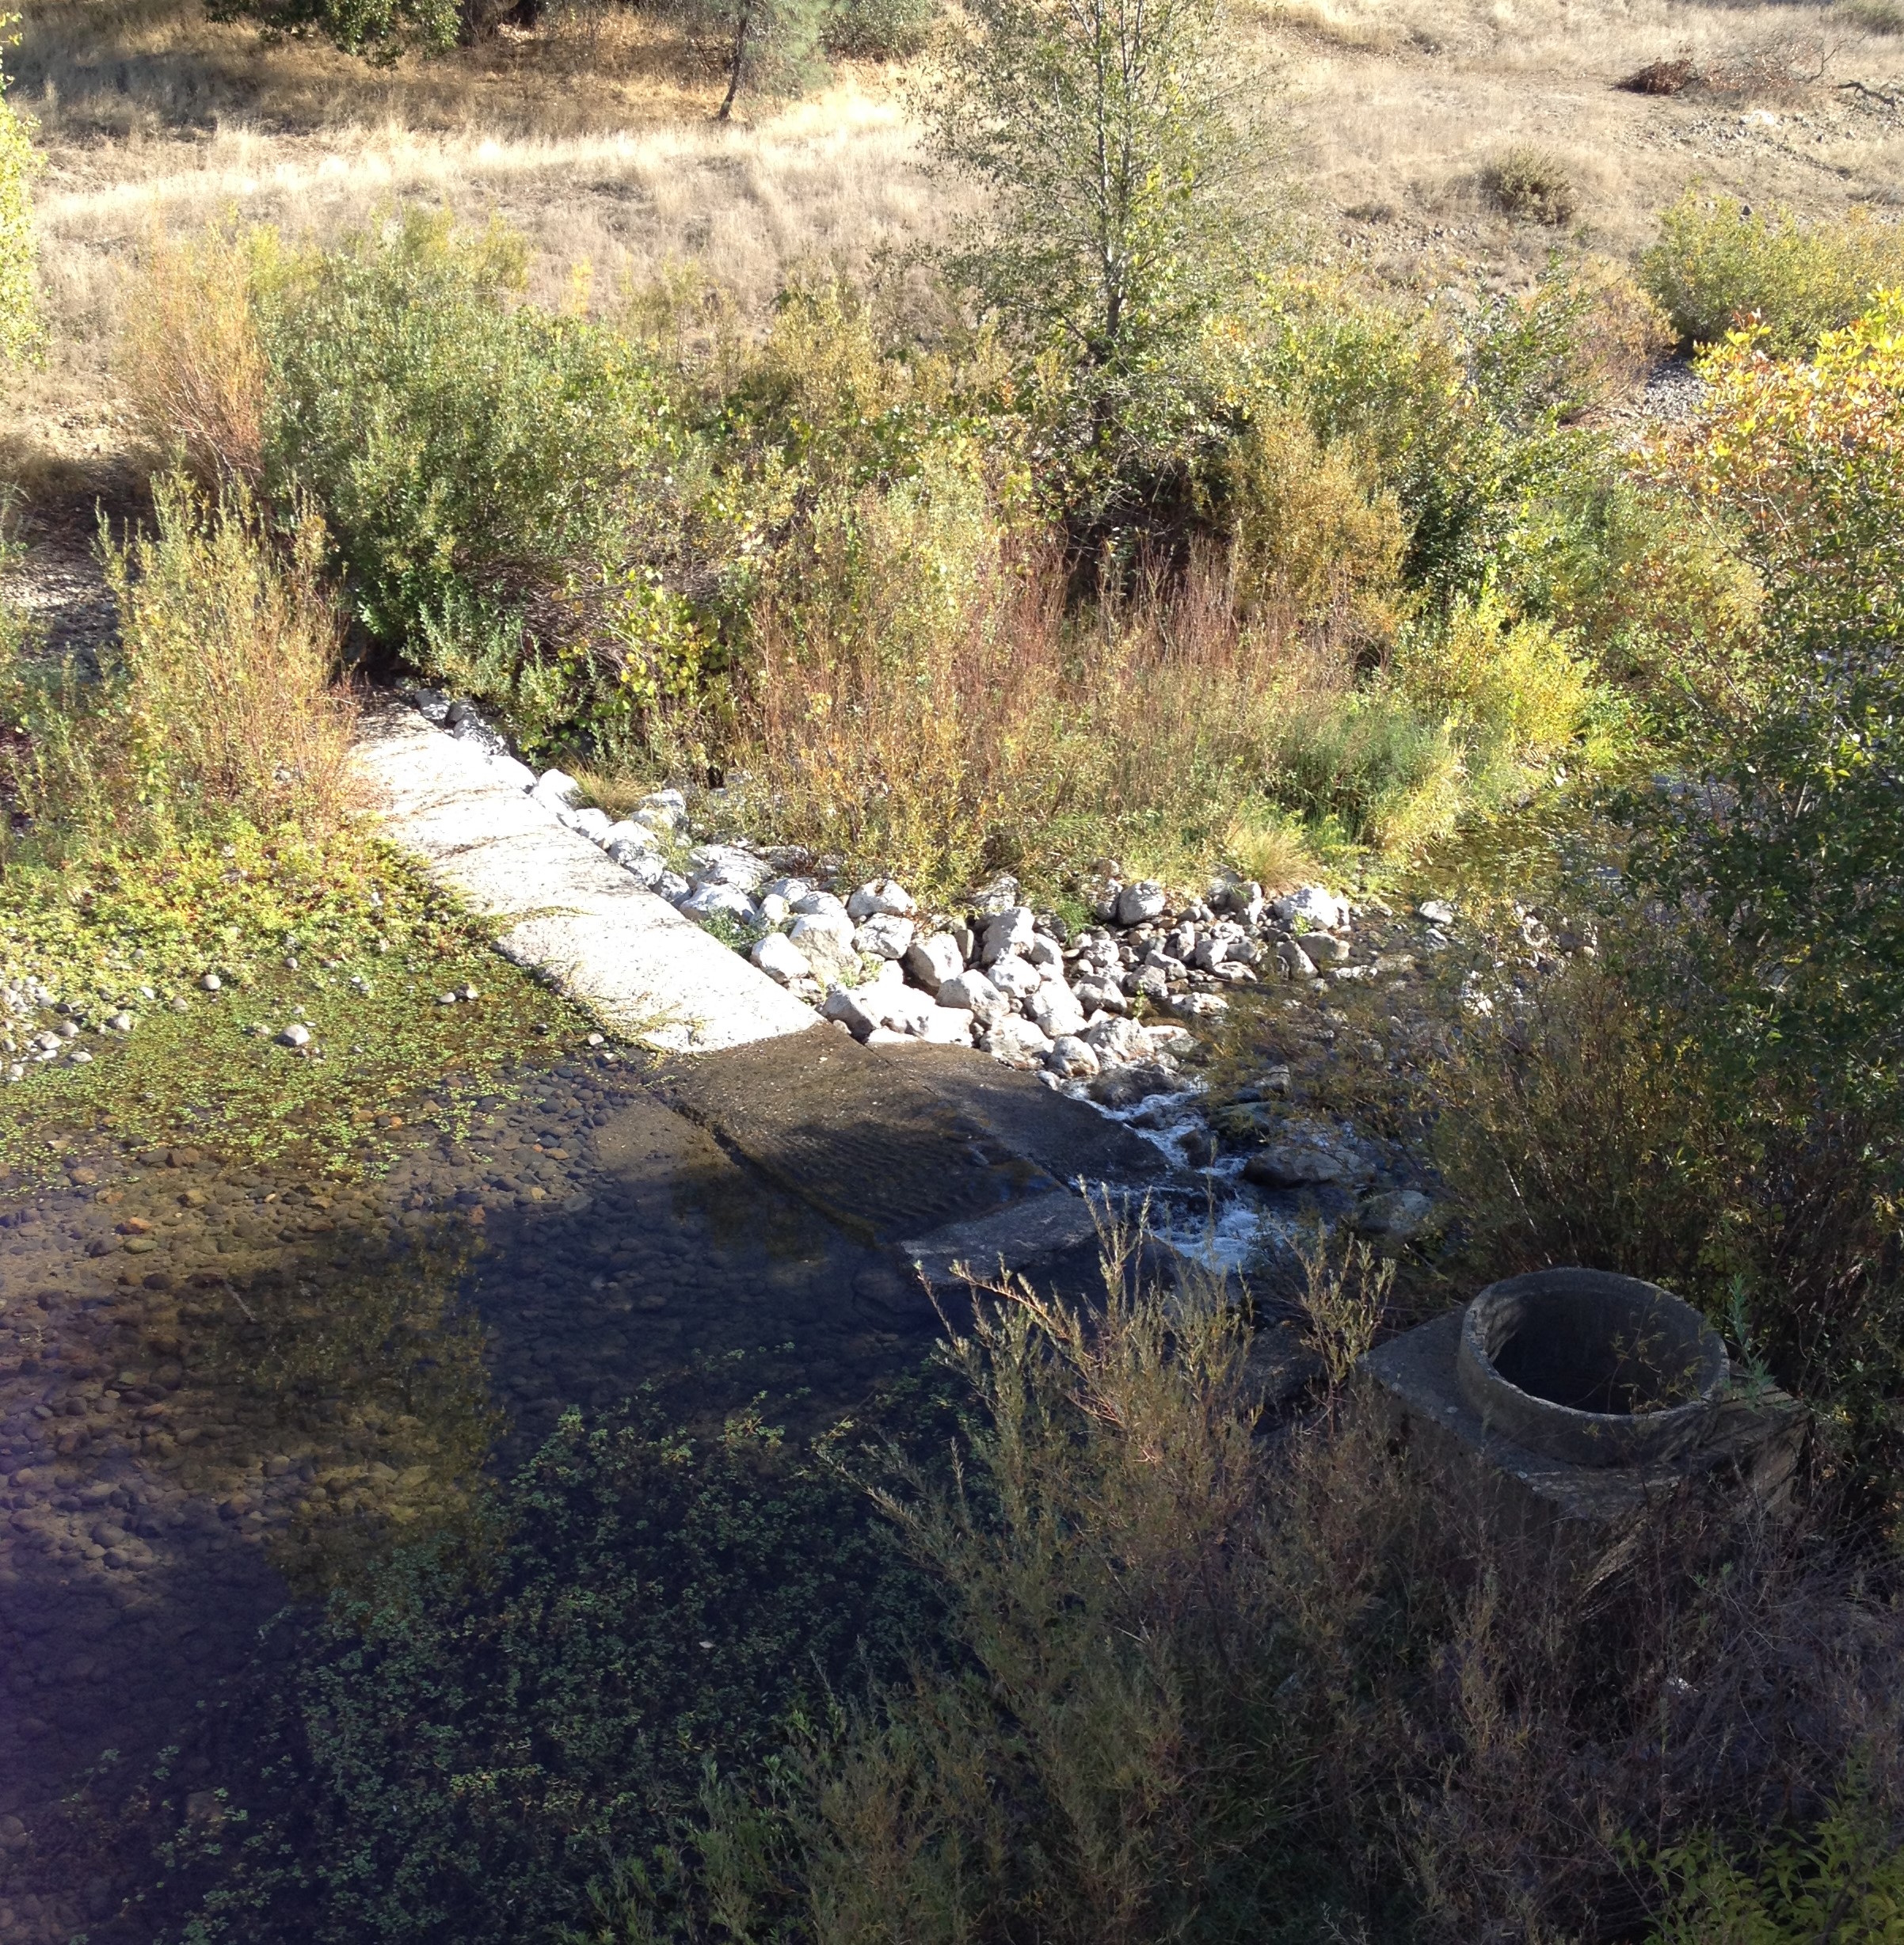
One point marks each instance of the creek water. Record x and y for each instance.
(219, 1385)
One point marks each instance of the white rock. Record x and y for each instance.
(972, 992)
(845, 1004)
(1199, 1005)
(883, 898)
(1010, 931)
(628, 832)
(663, 809)
(932, 962)
(812, 904)
(649, 867)
(826, 939)
(1137, 905)
(518, 776)
(949, 1026)
(885, 1037)
(793, 890)
(883, 936)
(593, 824)
(780, 958)
(1119, 1042)
(1016, 1041)
(1094, 996)
(905, 1009)
(211, 982)
(671, 886)
(1070, 1056)
(1435, 911)
(729, 899)
(1296, 963)
(119, 1023)
(773, 909)
(1312, 904)
(557, 789)
(1055, 1011)
(1011, 974)
(297, 1034)
(1046, 954)
(726, 864)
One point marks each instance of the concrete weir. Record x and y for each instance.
(939, 1153)
(556, 903)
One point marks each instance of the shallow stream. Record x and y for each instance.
(221, 1385)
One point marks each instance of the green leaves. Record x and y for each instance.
(19, 299)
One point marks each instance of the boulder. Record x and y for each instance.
(825, 938)
(1071, 1057)
(933, 960)
(883, 898)
(972, 993)
(1137, 905)
(1012, 975)
(729, 899)
(1292, 1165)
(1124, 1086)
(556, 789)
(726, 864)
(1119, 1042)
(948, 1026)
(593, 824)
(846, 1005)
(1296, 963)
(1313, 905)
(780, 958)
(1009, 932)
(1399, 1214)
(1055, 1011)
(883, 936)
(1016, 1041)
(628, 832)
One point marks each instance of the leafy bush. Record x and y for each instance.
(1534, 186)
(19, 303)
(1717, 265)
(510, 493)
(1844, 1880)
(381, 28)
(879, 30)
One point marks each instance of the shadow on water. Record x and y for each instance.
(221, 1388)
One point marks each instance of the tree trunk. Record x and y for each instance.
(738, 61)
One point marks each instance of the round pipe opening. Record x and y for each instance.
(1584, 1365)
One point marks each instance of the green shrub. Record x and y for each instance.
(19, 301)
(879, 30)
(1534, 186)
(1717, 265)
(1843, 1881)
(381, 28)
(512, 493)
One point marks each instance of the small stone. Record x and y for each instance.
(211, 982)
(1296, 963)
(671, 886)
(1401, 1213)
(851, 1010)
(1199, 1005)
(780, 958)
(1314, 905)
(881, 898)
(1435, 911)
(1139, 904)
(294, 1035)
(1072, 1057)
(118, 1022)
(726, 864)
(1124, 1086)
(727, 899)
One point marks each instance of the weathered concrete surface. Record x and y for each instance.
(1753, 1446)
(557, 904)
(898, 1143)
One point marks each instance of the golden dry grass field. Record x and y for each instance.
(594, 137)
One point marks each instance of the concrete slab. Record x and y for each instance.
(557, 903)
(1753, 1446)
(902, 1144)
